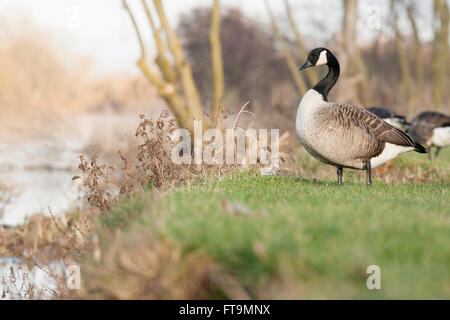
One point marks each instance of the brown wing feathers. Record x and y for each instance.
(379, 128)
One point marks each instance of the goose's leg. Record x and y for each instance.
(429, 153)
(437, 152)
(340, 172)
(368, 174)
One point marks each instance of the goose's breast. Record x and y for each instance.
(306, 126)
(326, 141)
(311, 103)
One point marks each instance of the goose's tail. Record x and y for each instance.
(419, 148)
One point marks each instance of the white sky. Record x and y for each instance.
(101, 28)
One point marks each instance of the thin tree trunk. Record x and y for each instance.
(440, 51)
(188, 84)
(217, 66)
(354, 63)
(166, 89)
(406, 77)
(290, 60)
(186, 107)
(417, 55)
(311, 73)
(161, 60)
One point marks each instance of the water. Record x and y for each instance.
(39, 173)
(40, 169)
(16, 277)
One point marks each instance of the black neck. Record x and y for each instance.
(324, 86)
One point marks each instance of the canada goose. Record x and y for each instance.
(431, 129)
(391, 117)
(343, 135)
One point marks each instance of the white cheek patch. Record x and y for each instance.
(322, 58)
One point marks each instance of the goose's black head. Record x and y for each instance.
(318, 57)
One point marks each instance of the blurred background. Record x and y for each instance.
(69, 83)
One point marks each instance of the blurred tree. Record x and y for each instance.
(253, 68)
(311, 72)
(217, 66)
(406, 84)
(288, 56)
(354, 79)
(440, 51)
(177, 77)
(416, 54)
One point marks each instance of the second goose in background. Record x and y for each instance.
(431, 129)
(343, 135)
(391, 117)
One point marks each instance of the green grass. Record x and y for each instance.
(317, 235)
(304, 238)
(121, 215)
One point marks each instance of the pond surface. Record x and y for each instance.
(39, 174)
(16, 279)
(40, 167)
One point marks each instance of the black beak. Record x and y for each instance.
(307, 64)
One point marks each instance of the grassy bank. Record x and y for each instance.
(249, 236)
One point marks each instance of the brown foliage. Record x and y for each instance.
(153, 156)
(95, 179)
(147, 162)
(44, 243)
(56, 236)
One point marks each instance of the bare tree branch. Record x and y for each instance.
(166, 90)
(161, 60)
(311, 73)
(184, 68)
(293, 67)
